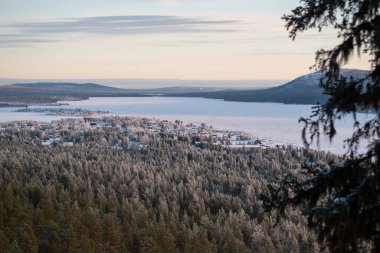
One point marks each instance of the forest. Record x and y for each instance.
(170, 196)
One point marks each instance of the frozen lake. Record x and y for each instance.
(273, 122)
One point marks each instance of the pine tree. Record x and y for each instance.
(342, 203)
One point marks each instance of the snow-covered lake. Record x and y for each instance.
(273, 122)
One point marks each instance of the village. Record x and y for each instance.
(124, 132)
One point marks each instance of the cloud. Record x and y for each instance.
(22, 40)
(112, 25)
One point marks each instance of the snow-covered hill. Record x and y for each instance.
(313, 79)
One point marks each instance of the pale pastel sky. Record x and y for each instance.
(154, 39)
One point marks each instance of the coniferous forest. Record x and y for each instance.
(171, 196)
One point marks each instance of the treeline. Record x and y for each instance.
(288, 95)
(168, 197)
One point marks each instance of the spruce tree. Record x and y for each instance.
(342, 203)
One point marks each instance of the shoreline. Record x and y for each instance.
(273, 123)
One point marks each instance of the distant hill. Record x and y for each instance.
(302, 90)
(43, 89)
(313, 79)
(63, 89)
(80, 87)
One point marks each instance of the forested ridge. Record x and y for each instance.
(170, 196)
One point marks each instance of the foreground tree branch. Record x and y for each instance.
(341, 203)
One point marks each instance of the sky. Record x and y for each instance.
(155, 39)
